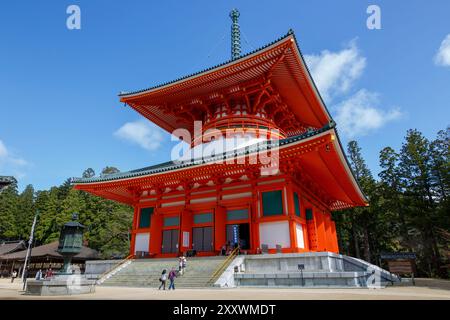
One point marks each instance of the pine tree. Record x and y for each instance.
(362, 217)
(9, 198)
(392, 191)
(416, 175)
(25, 213)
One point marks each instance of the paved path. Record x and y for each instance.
(13, 291)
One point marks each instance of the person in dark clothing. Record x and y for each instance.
(172, 276)
(163, 280)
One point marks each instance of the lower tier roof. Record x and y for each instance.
(315, 156)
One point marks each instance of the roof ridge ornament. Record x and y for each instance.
(235, 35)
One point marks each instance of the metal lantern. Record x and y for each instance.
(70, 242)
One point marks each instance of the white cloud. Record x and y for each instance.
(142, 133)
(359, 114)
(335, 72)
(442, 57)
(3, 150)
(10, 164)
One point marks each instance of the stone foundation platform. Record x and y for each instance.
(60, 286)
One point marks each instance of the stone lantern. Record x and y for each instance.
(70, 242)
(65, 282)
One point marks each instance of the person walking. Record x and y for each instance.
(13, 276)
(172, 276)
(163, 280)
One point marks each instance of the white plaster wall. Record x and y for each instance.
(142, 242)
(273, 233)
(300, 238)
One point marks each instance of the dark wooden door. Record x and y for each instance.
(207, 239)
(170, 241)
(202, 239)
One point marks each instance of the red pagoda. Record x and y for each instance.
(235, 196)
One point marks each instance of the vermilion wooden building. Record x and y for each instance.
(204, 203)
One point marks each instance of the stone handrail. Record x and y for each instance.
(223, 266)
(105, 275)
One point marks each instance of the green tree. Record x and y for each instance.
(416, 174)
(25, 213)
(392, 192)
(88, 173)
(109, 170)
(9, 199)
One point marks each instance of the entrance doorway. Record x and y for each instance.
(239, 233)
(202, 239)
(170, 241)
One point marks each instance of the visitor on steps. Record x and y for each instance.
(172, 276)
(183, 264)
(180, 265)
(163, 280)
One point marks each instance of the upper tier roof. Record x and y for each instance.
(280, 63)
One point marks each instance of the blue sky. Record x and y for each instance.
(59, 110)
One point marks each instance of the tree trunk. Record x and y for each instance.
(355, 241)
(366, 244)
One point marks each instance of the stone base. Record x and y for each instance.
(60, 285)
(320, 270)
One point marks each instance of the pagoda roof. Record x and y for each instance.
(330, 170)
(279, 62)
(175, 165)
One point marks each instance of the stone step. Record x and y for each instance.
(146, 272)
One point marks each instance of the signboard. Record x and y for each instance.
(235, 233)
(398, 256)
(185, 239)
(400, 266)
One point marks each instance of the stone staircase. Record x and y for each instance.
(146, 272)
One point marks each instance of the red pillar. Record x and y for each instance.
(321, 231)
(220, 217)
(334, 237)
(326, 217)
(133, 230)
(291, 213)
(254, 219)
(156, 232)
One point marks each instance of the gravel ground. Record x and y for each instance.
(428, 289)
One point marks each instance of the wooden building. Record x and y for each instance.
(43, 257)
